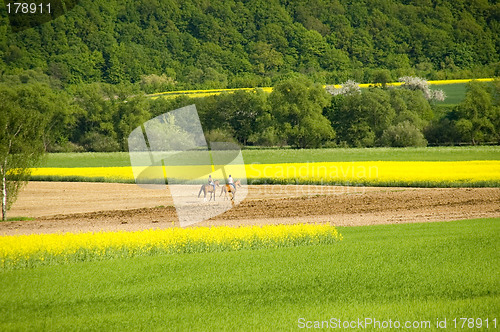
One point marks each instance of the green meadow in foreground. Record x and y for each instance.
(271, 156)
(409, 272)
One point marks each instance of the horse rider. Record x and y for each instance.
(230, 181)
(211, 181)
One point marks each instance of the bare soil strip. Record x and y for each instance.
(82, 207)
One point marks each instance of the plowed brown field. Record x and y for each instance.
(82, 207)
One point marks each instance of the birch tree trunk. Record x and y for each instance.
(4, 193)
(22, 130)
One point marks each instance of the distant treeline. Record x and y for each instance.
(298, 113)
(163, 45)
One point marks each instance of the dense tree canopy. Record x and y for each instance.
(217, 44)
(297, 107)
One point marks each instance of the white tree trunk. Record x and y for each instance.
(4, 196)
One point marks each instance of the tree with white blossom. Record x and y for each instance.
(348, 88)
(417, 83)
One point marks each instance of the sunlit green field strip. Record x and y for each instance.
(374, 173)
(421, 272)
(281, 156)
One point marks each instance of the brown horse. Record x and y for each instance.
(230, 189)
(208, 188)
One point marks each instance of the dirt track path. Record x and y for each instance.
(77, 207)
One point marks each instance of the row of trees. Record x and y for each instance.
(182, 44)
(298, 113)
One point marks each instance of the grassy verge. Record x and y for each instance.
(374, 183)
(298, 181)
(18, 219)
(410, 272)
(272, 156)
(62, 178)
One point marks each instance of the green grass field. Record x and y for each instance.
(455, 93)
(409, 272)
(272, 156)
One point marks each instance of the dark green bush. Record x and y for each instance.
(97, 142)
(402, 135)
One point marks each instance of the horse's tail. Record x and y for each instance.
(201, 189)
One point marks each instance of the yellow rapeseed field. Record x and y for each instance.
(439, 82)
(372, 172)
(380, 172)
(30, 250)
(205, 93)
(110, 173)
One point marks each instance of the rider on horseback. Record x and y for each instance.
(230, 181)
(211, 181)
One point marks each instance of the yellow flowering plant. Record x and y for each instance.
(38, 249)
(428, 173)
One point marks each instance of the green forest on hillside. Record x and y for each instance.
(217, 44)
(88, 71)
